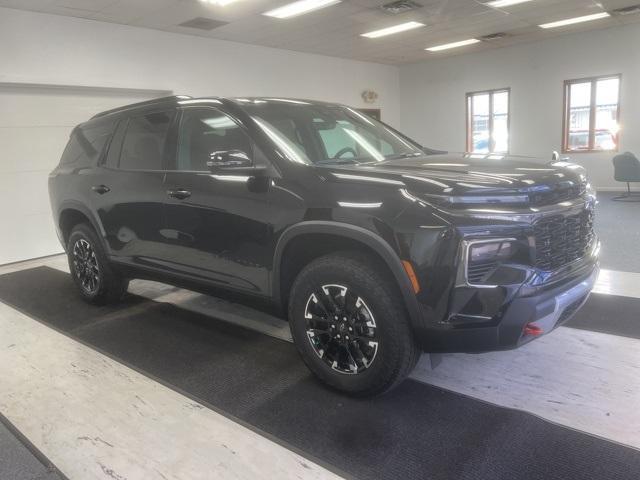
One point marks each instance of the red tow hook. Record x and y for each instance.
(533, 330)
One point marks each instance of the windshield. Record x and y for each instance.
(327, 134)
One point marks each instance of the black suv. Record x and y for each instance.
(374, 247)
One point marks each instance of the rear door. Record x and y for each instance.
(218, 225)
(129, 190)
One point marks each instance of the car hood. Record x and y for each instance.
(469, 174)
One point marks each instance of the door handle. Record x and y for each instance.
(101, 189)
(179, 193)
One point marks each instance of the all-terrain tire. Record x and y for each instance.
(365, 279)
(94, 276)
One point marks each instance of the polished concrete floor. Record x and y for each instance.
(618, 225)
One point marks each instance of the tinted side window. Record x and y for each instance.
(144, 143)
(86, 143)
(205, 131)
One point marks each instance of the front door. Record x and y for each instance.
(219, 225)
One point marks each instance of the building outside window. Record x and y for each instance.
(591, 114)
(488, 121)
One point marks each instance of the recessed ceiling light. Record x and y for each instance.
(447, 46)
(631, 10)
(403, 27)
(298, 8)
(571, 21)
(494, 36)
(397, 7)
(504, 3)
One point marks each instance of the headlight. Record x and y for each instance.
(490, 252)
(485, 256)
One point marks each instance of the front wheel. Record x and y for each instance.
(350, 325)
(95, 278)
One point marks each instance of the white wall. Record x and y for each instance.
(50, 49)
(39, 52)
(35, 123)
(433, 93)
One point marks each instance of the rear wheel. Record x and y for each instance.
(350, 325)
(95, 278)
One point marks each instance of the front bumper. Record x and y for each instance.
(544, 312)
(543, 307)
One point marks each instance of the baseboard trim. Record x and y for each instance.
(31, 259)
(612, 189)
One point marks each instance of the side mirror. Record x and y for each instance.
(229, 160)
(555, 156)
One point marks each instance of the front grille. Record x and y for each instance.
(562, 239)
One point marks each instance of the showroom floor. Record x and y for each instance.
(619, 251)
(173, 384)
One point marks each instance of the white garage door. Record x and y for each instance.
(35, 123)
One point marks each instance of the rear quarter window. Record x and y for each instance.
(87, 143)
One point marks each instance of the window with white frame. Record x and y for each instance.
(591, 114)
(488, 121)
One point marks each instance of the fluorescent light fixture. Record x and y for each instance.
(403, 27)
(504, 3)
(298, 8)
(447, 46)
(220, 3)
(571, 21)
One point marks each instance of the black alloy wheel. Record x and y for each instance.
(97, 280)
(85, 265)
(350, 325)
(341, 329)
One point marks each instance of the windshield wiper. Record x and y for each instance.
(402, 155)
(336, 161)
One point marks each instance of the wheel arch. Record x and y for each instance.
(354, 235)
(72, 213)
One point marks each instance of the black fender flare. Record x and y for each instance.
(74, 205)
(353, 232)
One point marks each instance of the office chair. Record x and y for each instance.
(627, 169)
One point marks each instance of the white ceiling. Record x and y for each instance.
(336, 30)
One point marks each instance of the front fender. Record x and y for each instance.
(372, 240)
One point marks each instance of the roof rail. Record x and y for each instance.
(173, 98)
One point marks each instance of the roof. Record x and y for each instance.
(171, 99)
(185, 99)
